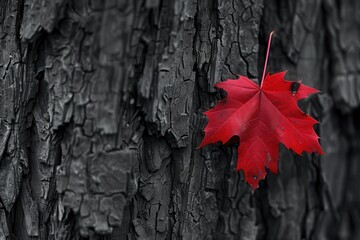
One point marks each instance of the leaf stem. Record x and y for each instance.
(266, 58)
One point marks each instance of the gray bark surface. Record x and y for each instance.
(101, 112)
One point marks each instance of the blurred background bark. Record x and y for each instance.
(101, 112)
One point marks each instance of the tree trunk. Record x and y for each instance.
(101, 113)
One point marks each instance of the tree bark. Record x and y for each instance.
(101, 112)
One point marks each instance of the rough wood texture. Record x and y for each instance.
(101, 112)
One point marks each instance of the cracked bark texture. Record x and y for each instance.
(101, 113)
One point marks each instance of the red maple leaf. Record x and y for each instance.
(262, 117)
